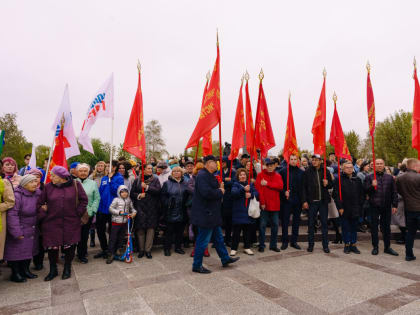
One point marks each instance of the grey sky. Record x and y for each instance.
(46, 44)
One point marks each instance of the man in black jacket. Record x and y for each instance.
(408, 186)
(315, 199)
(206, 215)
(349, 205)
(291, 202)
(383, 200)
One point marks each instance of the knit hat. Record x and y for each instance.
(26, 179)
(60, 172)
(73, 165)
(34, 171)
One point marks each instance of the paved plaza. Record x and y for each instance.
(290, 282)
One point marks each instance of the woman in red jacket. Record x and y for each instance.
(269, 184)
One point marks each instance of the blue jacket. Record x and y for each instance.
(108, 191)
(207, 201)
(239, 211)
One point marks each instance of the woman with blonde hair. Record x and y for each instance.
(98, 172)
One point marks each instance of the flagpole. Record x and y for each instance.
(418, 124)
(110, 148)
(324, 73)
(49, 158)
(339, 181)
(220, 122)
(196, 152)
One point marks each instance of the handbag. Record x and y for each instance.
(85, 217)
(254, 208)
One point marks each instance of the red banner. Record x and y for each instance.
(59, 155)
(370, 106)
(290, 143)
(135, 141)
(337, 139)
(249, 124)
(238, 128)
(318, 127)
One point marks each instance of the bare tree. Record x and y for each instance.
(155, 145)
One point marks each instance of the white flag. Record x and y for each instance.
(64, 115)
(32, 161)
(101, 105)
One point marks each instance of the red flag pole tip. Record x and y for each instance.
(324, 72)
(261, 75)
(246, 75)
(368, 66)
(138, 65)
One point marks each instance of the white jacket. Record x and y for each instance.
(119, 204)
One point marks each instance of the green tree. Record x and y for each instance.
(42, 152)
(353, 143)
(101, 154)
(393, 138)
(121, 153)
(365, 151)
(155, 145)
(16, 145)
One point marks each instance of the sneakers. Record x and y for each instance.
(247, 251)
(232, 252)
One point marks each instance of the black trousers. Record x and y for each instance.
(246, 230)
(413, 224)
(288, 209)
(173, 234)
(116, 238)
(381, 216)
(38, 259)
(101, 221)
(227, 224)
(82, 246)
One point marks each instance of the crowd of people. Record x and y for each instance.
(197, 203)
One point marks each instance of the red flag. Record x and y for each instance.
(249, 122)
(337, 139)
(415, 129)
(207, 144)
(370, 105)
(290, 143)
(318, 127)
(238, 127)
(264, 138)
(210, 110)
(135, 141)
(59, 155)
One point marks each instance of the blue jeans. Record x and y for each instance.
(314, 208)
(273, 217)
(202, 241)
(349, 226)
(413, 224)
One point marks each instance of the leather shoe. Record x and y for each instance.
(390, 251)
(230, 261)
(275, 249)
(354, 249)
(375, 251)
(284, 246)
(261, 249)
(201, 270)
(347, 249)
(141, 254)
(179, 251)
(310, 249)
(148, 255)
(83, 260)
(295, 246)
(326, 250)
(410, 258)
(99, 255)
(167, 252)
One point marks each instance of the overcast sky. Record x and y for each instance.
(46, 44)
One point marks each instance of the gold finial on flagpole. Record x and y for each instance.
(208, 75)
(368, 66)
(261, 75)
(324, 73)
(290, 95)
(415, 62)
(335, 98)
(246, 75)
(217, 36)
(138, 66)
(242, 79)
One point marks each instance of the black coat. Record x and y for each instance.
(207, 201)
(227, 202)
(148, 208)
(385, 196)
(295, 184)
(174, 196)
(311, 183)
(353, 196)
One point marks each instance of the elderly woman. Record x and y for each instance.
(98, 173)
(10, 171)
(146, 200)
(61, 206)
(22, 235)
(92, 192)
(174, 196)
(7, 201)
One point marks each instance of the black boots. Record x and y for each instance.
(17, 275)
(53, 272)
(92, 237)
(25, 270)
(66, 271)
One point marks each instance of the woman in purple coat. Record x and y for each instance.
(60, 208)
(22, 235)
